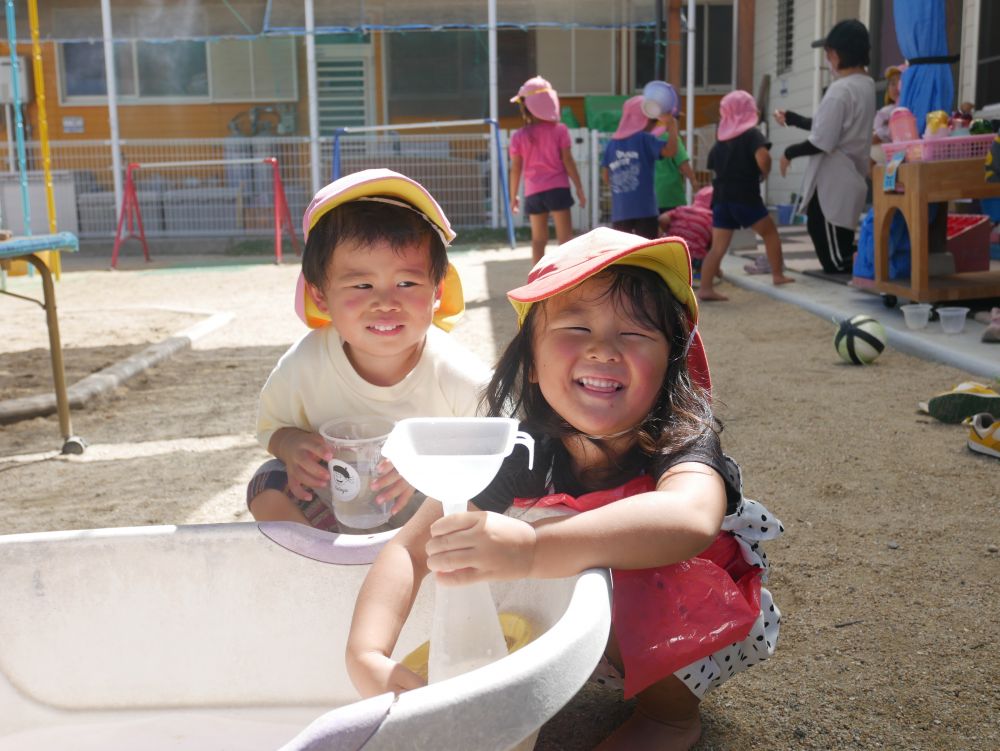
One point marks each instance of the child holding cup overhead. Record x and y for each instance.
(375, 276)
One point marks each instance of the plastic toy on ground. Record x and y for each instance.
(233, 635)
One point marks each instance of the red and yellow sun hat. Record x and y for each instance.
(582, 257)
(388, 187)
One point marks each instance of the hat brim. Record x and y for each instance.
(818, 43)
(376, 182)
(666, 256)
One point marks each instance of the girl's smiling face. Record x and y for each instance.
(598, 364)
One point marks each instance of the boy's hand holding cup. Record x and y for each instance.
(305, 455)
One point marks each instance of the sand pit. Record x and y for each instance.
(888, 575)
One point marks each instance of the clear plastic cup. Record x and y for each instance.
(952, 319)
(916, 314)
(357, 451)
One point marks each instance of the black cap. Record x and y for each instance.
(846, 35)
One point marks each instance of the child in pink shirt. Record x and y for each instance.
(541, 152)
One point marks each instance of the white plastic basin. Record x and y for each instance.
(215, 637)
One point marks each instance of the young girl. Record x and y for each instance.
(608, 374)
(628, 167)
(740, 160)
(541, 151)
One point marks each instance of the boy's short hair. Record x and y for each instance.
(365, 222)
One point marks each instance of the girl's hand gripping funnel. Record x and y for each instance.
(452, 459)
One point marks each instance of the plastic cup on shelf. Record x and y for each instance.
(952, 319)
(916, 315)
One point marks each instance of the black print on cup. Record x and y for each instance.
(346, 482)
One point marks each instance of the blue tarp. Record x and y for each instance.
(921, 32)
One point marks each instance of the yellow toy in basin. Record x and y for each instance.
(516, 632)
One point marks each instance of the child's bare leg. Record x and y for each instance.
(274, 506)
(539, 235)
(666, 718)
(564, 225)
(772, 246)
(710, 266)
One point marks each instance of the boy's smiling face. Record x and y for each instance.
(381, 299)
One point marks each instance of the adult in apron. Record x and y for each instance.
(834, 188)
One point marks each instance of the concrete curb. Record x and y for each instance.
(902, 340)
(112, 376)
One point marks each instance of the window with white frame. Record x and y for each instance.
(713, 51)
(181, 71)
(786, 35)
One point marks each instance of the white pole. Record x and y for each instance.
(595, 179)
(690, 85)
(109, 75)
(494, 112)
(314, 175)
(736, 39)
(817, 57)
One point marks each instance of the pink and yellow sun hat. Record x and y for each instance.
(385, 186)
(738, 111)
(540, 98)
(574, 262)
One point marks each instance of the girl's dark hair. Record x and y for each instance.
(681, 413)
(368, 222)
(526, 115)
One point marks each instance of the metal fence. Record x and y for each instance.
(235, 200)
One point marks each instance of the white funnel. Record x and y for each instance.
(452, 459)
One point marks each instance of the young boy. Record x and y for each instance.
(375, 276)
(627, 167)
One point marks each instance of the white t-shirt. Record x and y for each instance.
(842, 128)
(314, 382)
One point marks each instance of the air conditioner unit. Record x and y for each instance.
(6, 83)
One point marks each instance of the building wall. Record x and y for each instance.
(793, 90)
(209, 120)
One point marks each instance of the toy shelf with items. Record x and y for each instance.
(939, 149)
(919, 184)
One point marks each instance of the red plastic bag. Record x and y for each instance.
(668, 617)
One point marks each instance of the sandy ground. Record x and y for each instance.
(887, 576)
